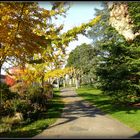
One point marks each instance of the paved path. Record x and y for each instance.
(81, 120)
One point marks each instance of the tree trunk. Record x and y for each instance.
(64, 83)
(0, 67)
(77, 83)
(70, 82)
(42, 83)
(90, 81)
(58, 82)
(0, 88)
(73, 81)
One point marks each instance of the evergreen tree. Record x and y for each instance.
(119, 65)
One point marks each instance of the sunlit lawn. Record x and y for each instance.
(128, 115)
(36, 127)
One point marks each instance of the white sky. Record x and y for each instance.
(79, 12)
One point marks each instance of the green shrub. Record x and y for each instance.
(24, 107)
(30, 102)
(38, 100)
(7, 108)
(48, 90)
(5, 127)
(6, 94)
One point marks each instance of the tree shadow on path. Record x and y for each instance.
(75, 108)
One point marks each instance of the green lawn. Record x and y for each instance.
(55, 108)
(128, 115)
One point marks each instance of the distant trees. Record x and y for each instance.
(83, 58)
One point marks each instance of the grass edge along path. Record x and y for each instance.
(130, 116)
(41, 124)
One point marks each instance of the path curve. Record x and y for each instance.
(81, 120)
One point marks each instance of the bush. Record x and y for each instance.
(38, 99)
(19, 88)
(24, 107)
(8, 98)
(48, 90)
(7, 108)
(29, 101)
(34, 103)
(8, 122)
(5, 127)
(6, 94)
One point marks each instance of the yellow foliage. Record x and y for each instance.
(57, 73)
(28, 34)
(22, 26)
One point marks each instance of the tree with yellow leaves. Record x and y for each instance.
(29, 36)
(23, 26)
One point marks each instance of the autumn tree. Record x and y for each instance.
(32, 39)
(29, 36)
(23, 26)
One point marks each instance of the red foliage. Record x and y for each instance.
(9, 81)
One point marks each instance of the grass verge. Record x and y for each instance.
(55, 107)
(126, 114)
